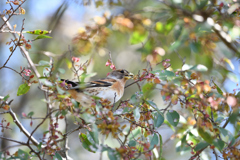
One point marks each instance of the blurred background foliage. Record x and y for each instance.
(191, 33)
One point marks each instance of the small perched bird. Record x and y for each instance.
(110, 88)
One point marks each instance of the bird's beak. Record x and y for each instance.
(129, 76)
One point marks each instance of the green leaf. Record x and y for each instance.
(205, 135)
(233, 117)
(219, 144)
(22, 154)
(148, 47)
(154, 141)
(151, 103)
(30, 114)
(134, 99)
(112, 154)
(183, 148)
(132, 143)
(228, 134)
(93, 140)
(61, 70)
(57, 156)
(69, 63)
(94, 134)
(169, 125)
(229, 62)
(85, 75)
(218, 89)
(233, 77)
(177, 31)
(43, 63)
(158, 120)
(177, 81)
(169, 26)
(202, 4)
(200, 146)
(223, 131)
(138, 37)
(140, 148)
(175, 45)
(39, 32)
(127, 110)
(46, 82)
(6, 97)
(184, 139)
(147, 88)
(173, 117)
(46, 71)
(42, 37)
(135, 133)
(219, 119)
(195, 47)
(85, 142)
(199, 67)
(39, 146)
(23, 89)
(64, 112)
(204, 59)
(159, 27)
(167, 73)
(136, 113)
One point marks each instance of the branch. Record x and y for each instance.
(6, 20)
(23, 50)
(228, 44)
(12, 140)
(29, 137)
(10, 54)
(205, 15)
(13, 146)
(20, 126)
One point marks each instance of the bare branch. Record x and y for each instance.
(30, 136)
(12, 140)
(20, 126)
(6, 20)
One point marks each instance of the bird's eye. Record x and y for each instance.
(122, 71)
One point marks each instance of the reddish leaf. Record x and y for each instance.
(6, 107)
(34, 81)
(16, 2)
(156, 80)
(28, 46)
(61, 117)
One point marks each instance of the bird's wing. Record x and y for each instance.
(80, 86)
(102, 83)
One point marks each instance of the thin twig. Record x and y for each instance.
(12, 140)
(6, 20)
(20, 126)
(110, 57)
(29, 137)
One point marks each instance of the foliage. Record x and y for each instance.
(180, 41)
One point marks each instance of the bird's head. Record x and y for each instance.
(120, 74)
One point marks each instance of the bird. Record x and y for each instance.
(110, 88)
